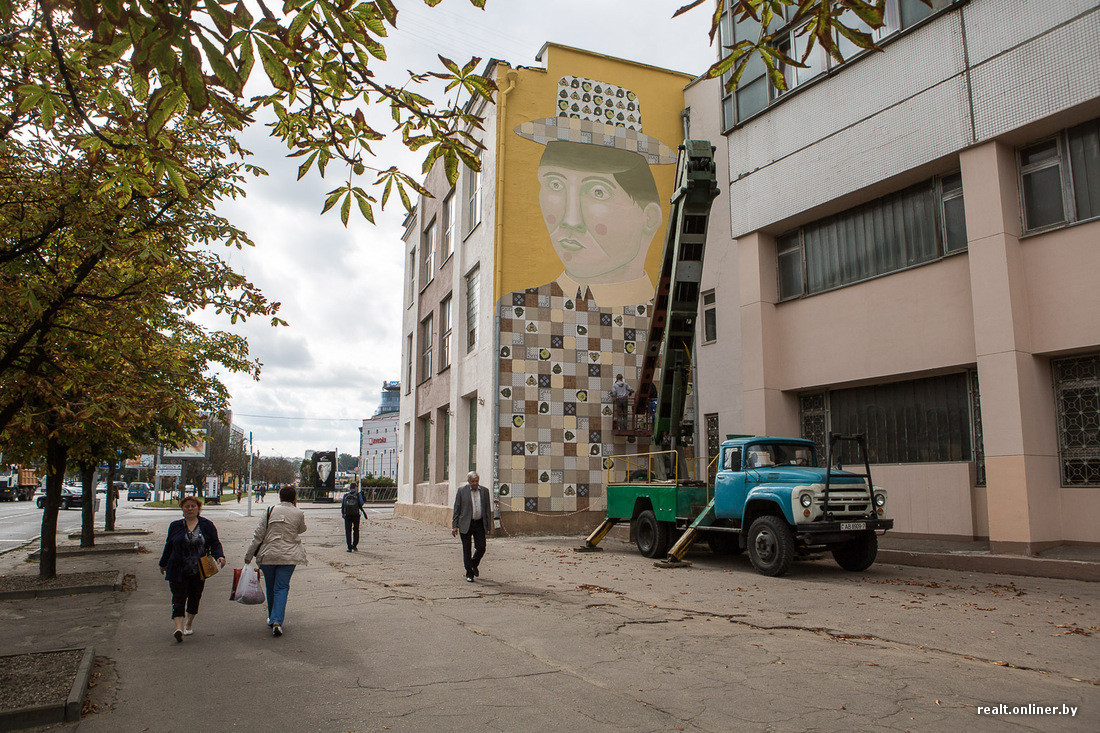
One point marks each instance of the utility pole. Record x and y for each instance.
(250, 473)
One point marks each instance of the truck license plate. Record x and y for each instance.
(852, 526)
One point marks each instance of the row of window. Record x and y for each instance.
(441, 238)
(427, 332)
(443, 421)
(1059, 185)
(754, 90)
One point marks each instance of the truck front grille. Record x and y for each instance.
(847, 503)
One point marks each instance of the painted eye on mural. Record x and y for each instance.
(599, 191)
(553, 183)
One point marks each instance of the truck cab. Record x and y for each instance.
(783, 504)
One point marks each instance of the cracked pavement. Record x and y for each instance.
(393, 638)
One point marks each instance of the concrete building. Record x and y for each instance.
(528, 287)
(378, 453)
(913, 251)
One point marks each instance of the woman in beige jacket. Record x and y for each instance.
(277, 548)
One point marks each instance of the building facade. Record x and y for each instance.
(914, 242)
(528, 288)
(378, 453)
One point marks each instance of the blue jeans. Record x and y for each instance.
(277, 580)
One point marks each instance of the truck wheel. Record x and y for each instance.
(724, 543)
(41, 503)
(650, 535)
(771, 546)
(857, 554)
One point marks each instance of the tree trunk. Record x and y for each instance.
(56, 457)
(87, 513)
(112, 498)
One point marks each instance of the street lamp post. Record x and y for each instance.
(250, 473)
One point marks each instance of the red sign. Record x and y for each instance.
(372, 441)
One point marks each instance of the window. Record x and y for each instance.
(1060, 178)
(754, 92)
(426, 346)
(1077, 395)
(908, 228)
(427, 263)
(473, 199)
(445, 333)
(473, 295)
(710, 318)
(408, 363)
(410, 272)
(471, 457)
(916, 421)
(445, 439)
(448, 227)
(426, 457)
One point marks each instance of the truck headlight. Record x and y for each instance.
(806, 500)
(880, 500)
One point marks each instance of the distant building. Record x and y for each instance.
(378, 436)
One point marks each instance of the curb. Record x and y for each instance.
(1004, 564)
(69, 590)
(120, 548)
(36, 715)
(113, 533)
(5, 551)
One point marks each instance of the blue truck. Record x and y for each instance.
(770, 496)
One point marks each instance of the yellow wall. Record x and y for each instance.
(524, 253)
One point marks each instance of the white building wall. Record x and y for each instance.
(378, 447)
(887, 114)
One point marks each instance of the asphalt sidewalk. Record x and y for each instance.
(392, 638)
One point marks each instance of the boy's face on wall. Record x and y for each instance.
(594, 225)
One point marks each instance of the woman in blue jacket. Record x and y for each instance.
(188, 539)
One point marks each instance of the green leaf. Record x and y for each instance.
(304, 167)
(298, 25)
(177, 182)
(223, 68)
(333, 197)
(222, 19)
(248, 59)
(365, 208)
(345, 210)
(275, 69)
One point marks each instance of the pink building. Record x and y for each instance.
(916, 256)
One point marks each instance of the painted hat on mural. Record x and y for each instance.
(596, 113)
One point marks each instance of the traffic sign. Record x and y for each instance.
(170, 469)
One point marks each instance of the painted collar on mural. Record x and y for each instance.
(610, 295)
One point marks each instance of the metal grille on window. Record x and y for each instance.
(977, 440)
(712, 443)
(814, 417)
(1077, 395)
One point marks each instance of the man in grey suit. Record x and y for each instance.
(473, 519)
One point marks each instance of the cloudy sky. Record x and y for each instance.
(340, 288)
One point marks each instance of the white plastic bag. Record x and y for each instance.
(247, 588)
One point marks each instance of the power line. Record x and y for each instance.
(286, 417)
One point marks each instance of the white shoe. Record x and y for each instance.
(188, 632)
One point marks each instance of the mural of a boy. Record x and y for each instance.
(563, 342)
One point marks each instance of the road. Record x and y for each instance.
(21, 521)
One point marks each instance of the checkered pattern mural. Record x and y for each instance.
(559, 355)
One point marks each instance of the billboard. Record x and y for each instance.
(195, 448)
(324, 470)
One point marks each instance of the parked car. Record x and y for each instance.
(71, 496)
(139, 491)
(101, 487)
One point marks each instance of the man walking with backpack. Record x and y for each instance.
(351, 506)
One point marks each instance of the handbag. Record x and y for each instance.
(208, 566)
(247, 588)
